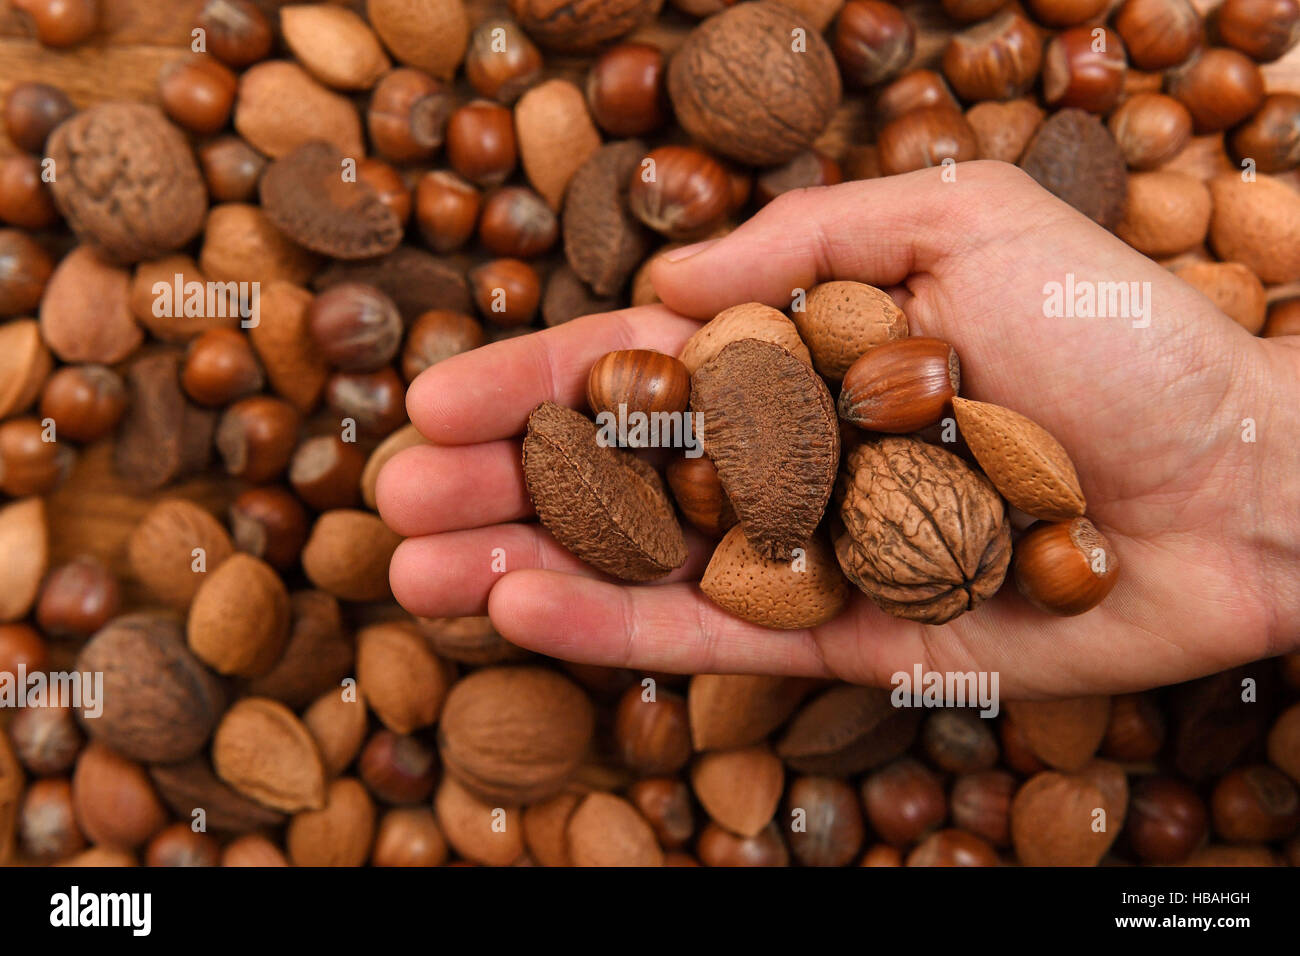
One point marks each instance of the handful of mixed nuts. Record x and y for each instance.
(924, 530)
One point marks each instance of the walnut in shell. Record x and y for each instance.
(923, 535)
(579, 26)
(1074, 157)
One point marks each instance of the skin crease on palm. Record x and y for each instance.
(1206, 525)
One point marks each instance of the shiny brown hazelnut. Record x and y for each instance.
(998, 59)
(220, 368)
(446, 208)
(517, 223)
(231, 168)
(356, 327)
(968, 11)
(25, 269)
(810, 168)
(1064, 567)
(665, 802)
(981, 804)
(1263, 29)
(481, 142)
(389, 186)
(237, 32)
(1255, 804)
(506, 291)
(873, 41)
(952, 848)
(77, 598)
(882, 854)
(179, 845)
(47, 824)
(407, 837)
(913, 90)
(46, 739)
(32, 460)
(1166, 820)
(1065, 13)
(436, 335)
(720, 847)
(252, 849)
(679, 191)
(904, 800)
(407, 116)
(31, 111)
(326, 472)
(271, 524)
(114, 799)
(1159, 34)
(926, 137)
(1016, 752)
(256, 437)
(25, 201)
(959, 741)
(1284, 319)
(698, 491)
(61, 23)
(376, 401)
(1136, 729)
(21, 645)
(640, 379)
(652, 736)
(901, 386)
(501, 62)
(1084, 71)
(626, 90)
(825, 821)
(1220, 88)
(1151, 129)
(398, 768)
(85, 401)
(198, 93)
(1271, 137)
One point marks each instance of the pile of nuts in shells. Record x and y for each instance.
(387, 183)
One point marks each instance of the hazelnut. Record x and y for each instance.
(238, 33)
(114, 799)
(25, 269)
(901, 386)
(720, 847)
(679, 191)
(642, 379)
(698, 491)
(1263, 29)
(409, 836)
(968, 11)
(398, 768)
(221, 367)
(926, 137)
(959, 741)
(994, 60)
(408, 115)
(32, 461)
(981, 804)
(179, 845)
(436, 335)
(1220, 88)
(882, 854)
(1255, 804)
(626, 92)
(1136, 730)
(24, 200)
(1151, 129)
(326, 472)
(506, 291)
(61, 23)
(46, 739)
(77, 598)
(1065, 13)
(376, 401)
(1084, 71)
(825, 820)
(873, 41)
(904, 800)
(47, 825)
(231, 168)
(665, 802)
(652, 736)
(21, 645)
(810, 168)
(198, 93)
(252, 849)
(501, 62)
(446, 208)
(388, 186)
(1283, 319)
(85, 401)
(1166, 820)
(1065, 567)
(1159, 34)
(356, 327)
(1271, 137)
(911, 91)
(952, 848)
(269, 523)
(517, 223)
(31, 111)
(256, 437)
(481, 142)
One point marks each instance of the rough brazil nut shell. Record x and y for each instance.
(740, 87)
(603, 241)
(1074, 157)
(604, 504)
(769, 425)
(775, 593)
(126, 181)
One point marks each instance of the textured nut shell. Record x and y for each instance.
(744, 583)
(739, 789)
(468, 640)
(514, 734)
(769, 426)
(161, 550)
(604, 504)
(1062, 733)
(338, 725)
(842, 320)
(191, 784)
(482, 832)
(1074, 157)
(240, 244)
(1167, 213)
(279, 107)
(1002, 130)
(1051, 822)
(750, 320)
(264, 752)
(400, 677)
(126, 181)
(580, 26)
(337, 834)
(164, 436)
(86, 313)
(1022, 459)
(603, 241)
(348, 553)
(24, 555)
(1233, 288)
(545, 826)
(160, 703)
(239, 621)
(334, 44)
(738, 86)
(847, 730)
(25, 364)
(429, 34)
(606, 830)
(296, 369)
(11, 795)
(1257, 224)
(736, 710)
(556, 135)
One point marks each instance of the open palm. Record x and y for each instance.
(1206, 524)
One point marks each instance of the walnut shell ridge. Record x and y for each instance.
(924, 536)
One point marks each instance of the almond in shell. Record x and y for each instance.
(805, 592)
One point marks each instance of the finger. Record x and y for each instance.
(487, 393)
(430, 489)
(876, 231)
(451, 575)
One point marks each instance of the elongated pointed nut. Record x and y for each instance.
(740, 789)
(1064, 567)
(900, 386)
(263, 750)
(1022, 459)
(785, 594)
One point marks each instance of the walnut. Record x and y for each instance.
(580, 26)
(756, 83)
(1074, 157)
(925, 536)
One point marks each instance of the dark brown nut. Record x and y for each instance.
(256, 437)
(25, 200)
(665, 802)
(1263, 29)
(481, 142)
(409, 836)
(231, 169)
(46, 739)
(501, 62)
(239, 619)
(882, 854)
(1167, 820)
(179, 845)
(903, 801)
(1212, 726)
(1074, 157)
(642, 380)
(78, 598)
(32, 111)
(221, 367)
(47, 824)
(699, 494)
(913, 90)
(652, 736)
(398, 768)
(198, 93)
(959, 741)
(25, 268)
(348, 555)
(114, 799)
(355, 327)
(1159, 34)
(1136, 730)
(845, 731)
(325, 471)
(603, 241)
(271, 524)
(1220, 88)
(582, 26)
(567, 298)
(825, 820)
(1064, 734)
(84, 286)
(164, 436)
(517, 223)
(238, 32)
(873, 42)
(1271, 137)
(436, 335)
(680, 191)
(721, 847)
(926, 137)
(1077, 73)
(307, 195)
(32, 462)
(61, 23)
(952, 848)
(1002, 130)
(1151, 129)
(446, 208)
(318, 656)
(127, 182)
(626, 91)
(739, 87)
(376, 401)
(1065, 567)
(998, 59)
(968, 11)
(408, 115)
(506, 291)
(159, 702)
(85, 401)
(1065, 13)
(981, 804)
(602, 503)
(1255, 804)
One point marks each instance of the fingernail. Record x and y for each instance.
(685, 252)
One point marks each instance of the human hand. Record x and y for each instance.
(1206, 525)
